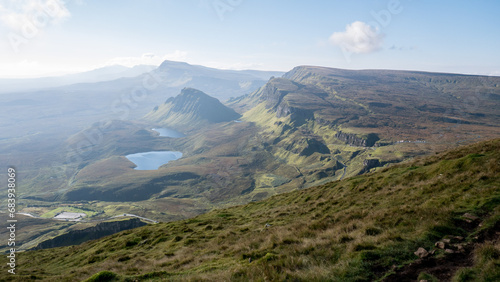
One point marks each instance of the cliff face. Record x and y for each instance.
(102, 229)
(275, 90)
(355, 140)
(298, 116)
(312, 146)
(288, 98)
(369, 164)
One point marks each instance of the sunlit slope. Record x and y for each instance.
(368, 118)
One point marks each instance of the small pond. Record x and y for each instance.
(153, 160)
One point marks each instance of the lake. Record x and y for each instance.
(153, 160)
(71, 216)
(167, 132)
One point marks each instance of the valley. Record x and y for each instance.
(230, 140)
(367, 227)
(311, 127)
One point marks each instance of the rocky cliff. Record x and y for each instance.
(102, 229)
(356, 140)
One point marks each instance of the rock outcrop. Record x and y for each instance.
(102, 229)
(314, 146)
(369, 164)
(307, 147)
(356, 140)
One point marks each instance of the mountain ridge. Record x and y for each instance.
(106, 73)
(65, 110)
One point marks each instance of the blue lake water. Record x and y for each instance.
(167, 132)
(153, 160)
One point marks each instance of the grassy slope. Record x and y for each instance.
(355, 229)
(239, 163)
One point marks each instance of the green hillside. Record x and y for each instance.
(363, 228)
(189, 110)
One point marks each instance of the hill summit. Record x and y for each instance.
(190, 109)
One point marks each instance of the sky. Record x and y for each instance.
(54, 37)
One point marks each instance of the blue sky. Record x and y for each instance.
(48, 37)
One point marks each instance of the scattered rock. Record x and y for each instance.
(449, 251)
(469, 217)
(446, 241)
(421, 253)
(440, 245)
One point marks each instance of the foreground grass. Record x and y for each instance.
(359, 229)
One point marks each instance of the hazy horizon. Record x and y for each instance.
(56, 75)
(54, 37)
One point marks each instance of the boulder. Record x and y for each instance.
(440, 245)
(421, 253)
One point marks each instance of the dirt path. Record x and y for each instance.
(445, 267)
(442, 268)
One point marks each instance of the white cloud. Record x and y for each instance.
(358, 37)
(28, 15)
(147, 59)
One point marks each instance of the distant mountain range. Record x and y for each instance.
(216, 82)
(97, 75)
(221, 84)
(125, 98)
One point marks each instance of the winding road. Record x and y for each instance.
(345, 169)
